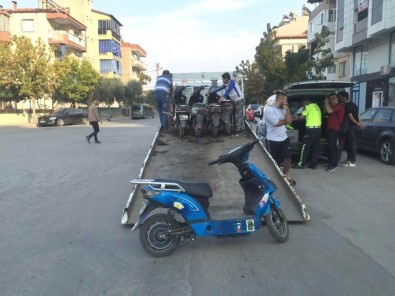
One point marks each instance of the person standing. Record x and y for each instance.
(335, 112)
(162, 91)
(277, 116)
(233, 92)
(351, 111)
(94, 119)
(312, 136)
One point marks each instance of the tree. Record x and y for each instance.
(31, 75)
(299, 65)
(270, 63)
(133, 91)
(253, 81)
(76, 81)
(109, 89)
(144, 78)
(323, 57)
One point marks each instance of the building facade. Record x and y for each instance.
(132, 65)
(366, 29)
(325, 15)
(291, 33)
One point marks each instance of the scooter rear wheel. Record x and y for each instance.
(156, 235)
(277, 224)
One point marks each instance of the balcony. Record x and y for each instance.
(139, 65)
(63, 19)
(68, 39)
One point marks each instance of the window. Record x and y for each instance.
(110, 46)
(392, 50)
(367, 115)
(360, 61)
(332, 70)
(112, 25)
(342, 69)
(383, 115)
(331, 16)
(340, 20)
(321, 19)
(377, 11)
(28, 25)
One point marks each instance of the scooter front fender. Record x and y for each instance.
(216, 120)
(265, 210)
(199, 120)
(226, 117)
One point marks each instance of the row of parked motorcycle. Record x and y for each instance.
(200, 115)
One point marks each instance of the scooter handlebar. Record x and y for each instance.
(213, 162)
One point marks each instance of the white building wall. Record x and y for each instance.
(388, 20)
(348, 29)
(378, 56)
(389, 13)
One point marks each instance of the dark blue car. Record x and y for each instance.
(378, 134)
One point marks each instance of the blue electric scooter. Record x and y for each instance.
(176, 212)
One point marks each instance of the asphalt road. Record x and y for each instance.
(61, 201)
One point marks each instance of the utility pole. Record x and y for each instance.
(157, 66)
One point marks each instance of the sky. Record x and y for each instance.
(193, 36)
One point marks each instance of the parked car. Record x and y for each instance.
(258, 114)
(250, 111)
(64, 116)
(316, 91)
(378, 134)
(142, 111)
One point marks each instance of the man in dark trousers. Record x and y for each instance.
(162, 91)
(335, 112)
(351, 111)
(94, 119)
(312, 136)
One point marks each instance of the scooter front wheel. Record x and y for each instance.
(277, 224)
(182, 132)
(156, 236)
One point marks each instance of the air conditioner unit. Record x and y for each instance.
(385, 69)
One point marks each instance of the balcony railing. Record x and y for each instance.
(67, 38)
(139, 65)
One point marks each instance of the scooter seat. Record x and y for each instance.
(197, 189)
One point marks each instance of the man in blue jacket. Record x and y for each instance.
(162, 91)
(233, 92)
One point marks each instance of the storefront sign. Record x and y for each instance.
(363, 5)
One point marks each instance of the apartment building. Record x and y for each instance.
(132, 65)
(366, 29)
(73, 27)
(364, 46)
(291, 33)
(325, 15)
(63, 34)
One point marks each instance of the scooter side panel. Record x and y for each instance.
(226, 227)
(189, 208)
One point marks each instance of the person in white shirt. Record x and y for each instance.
(277, 116)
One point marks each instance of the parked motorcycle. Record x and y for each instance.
(176, 212)
(198, 117)
(214, 121)
(228, 119)
(182, 117)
